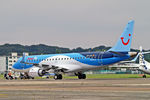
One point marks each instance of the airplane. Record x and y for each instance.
(77, 63)
(144, 65)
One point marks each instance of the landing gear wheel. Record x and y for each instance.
(58, 76)
(6, 78)
(79, 76)
(144, 76)
(47, 77)
(82, 76)
(55, 77)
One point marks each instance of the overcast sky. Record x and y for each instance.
(73, 23)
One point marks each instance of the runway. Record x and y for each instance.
(74, 89)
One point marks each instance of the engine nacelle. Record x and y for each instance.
(35, 72)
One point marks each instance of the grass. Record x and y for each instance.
(99, 76)
(1, 76)
(96, 76)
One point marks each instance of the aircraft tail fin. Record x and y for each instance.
(124, 42)
(142, 61)
(141, 57)
(23, 58)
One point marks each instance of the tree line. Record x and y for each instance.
(7, 49)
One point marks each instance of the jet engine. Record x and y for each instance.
(35, 72)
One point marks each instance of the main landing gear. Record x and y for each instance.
(80, 75)
(58, 77)
(25, 76)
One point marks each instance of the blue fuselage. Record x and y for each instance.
(95, 59)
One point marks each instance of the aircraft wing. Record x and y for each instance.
(134, 60)
(146, 52)
(60, 68)
(65, 68)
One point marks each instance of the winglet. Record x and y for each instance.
(124, 42)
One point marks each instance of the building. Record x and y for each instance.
(13, 58)
(6, 62)
(2, 64)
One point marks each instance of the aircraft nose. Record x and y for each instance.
(15, 66)
(132, 54)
